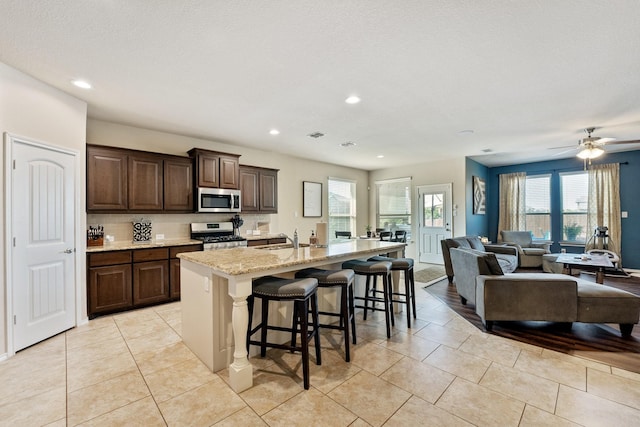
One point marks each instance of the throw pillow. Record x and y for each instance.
(493, 264)
(462, 242)
(475, 243)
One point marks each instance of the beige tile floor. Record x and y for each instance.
(132, 369)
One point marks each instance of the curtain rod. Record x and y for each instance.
(561, 170)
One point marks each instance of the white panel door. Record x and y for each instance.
(435, 214)
(43, 253)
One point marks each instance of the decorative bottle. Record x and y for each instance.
(313, 240)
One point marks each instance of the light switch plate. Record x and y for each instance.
(159, 236)
(625, 214)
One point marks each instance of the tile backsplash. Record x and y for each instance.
(173, 226)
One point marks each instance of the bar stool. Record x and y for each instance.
(374, 269)
(405, 265)
(303, 294)
(343, 279)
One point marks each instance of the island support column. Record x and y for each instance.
(240, 371)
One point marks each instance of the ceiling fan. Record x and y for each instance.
(593, 146)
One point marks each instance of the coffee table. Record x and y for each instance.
(597, 263)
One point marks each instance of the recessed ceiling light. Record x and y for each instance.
(466, 132)
(380, 156)
(348, 144)
(353, 99)
(274, 132)
(81, 84)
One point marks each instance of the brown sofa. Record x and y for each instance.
(538, 296)
(507, 256)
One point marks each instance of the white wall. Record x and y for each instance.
(427, 173)
(292, 171)
(34, 110)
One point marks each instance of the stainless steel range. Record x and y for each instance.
(216, 235)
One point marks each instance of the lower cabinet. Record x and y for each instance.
(127, 279)
(265, 242)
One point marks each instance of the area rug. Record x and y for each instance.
(429, 275)
(598, 342)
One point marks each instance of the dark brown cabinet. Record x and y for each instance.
(106, 179)
(178, 184)
(265, 242)
(121, 180)
(259, 188)
(216, 170)
(109, 282)
(145, 182)
(122, 280)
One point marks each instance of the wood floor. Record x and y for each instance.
(599, 342)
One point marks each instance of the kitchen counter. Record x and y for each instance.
(212, 322)
(127, 245)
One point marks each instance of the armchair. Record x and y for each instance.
(530, 253)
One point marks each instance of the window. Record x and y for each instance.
(342, 206)
(393, 210)
(575, 189)
(538, 206)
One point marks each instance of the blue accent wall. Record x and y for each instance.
(629, 198)
(476, 225)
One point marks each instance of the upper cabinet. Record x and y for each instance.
(106, 179)
(120, 180)
(216, 170)
(259, 188)
(178, 184)
(145, 182)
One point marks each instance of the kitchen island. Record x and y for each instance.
(212, 322)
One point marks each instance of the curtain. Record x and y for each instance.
(603, 206)
(512, 214)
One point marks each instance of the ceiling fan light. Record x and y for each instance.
(590, 153)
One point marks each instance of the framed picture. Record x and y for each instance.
(479, 193)
(311, 199)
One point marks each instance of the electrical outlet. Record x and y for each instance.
(159, 236)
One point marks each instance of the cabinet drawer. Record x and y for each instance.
(278, 241)
(259, 242)
(173, 252)
(109, 258)
(156, 254)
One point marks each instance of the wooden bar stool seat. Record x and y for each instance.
(304, 296)
(343, 279)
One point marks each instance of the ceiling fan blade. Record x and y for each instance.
(564, 151)
(633, 141)
(563, 146)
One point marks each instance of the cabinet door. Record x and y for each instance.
(208, 171)
(249, 188)
(269, 191)
(178, 185)
(174, 278)
(109, 288)
(106, 179)
(150, 282)
(229, 172)
(145, 182)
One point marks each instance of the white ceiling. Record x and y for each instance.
(523, 75)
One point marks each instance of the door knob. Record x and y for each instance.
(67, 251)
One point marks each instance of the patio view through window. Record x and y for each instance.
(574, 187)
(342, 206)
(538, 206)
(394, 205)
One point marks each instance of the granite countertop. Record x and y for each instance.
(126, 245)
(236, 261)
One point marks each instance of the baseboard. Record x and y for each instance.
(3, 357)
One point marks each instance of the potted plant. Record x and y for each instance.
(571, 231)
(368, 231)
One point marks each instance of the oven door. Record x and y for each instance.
(218, 200)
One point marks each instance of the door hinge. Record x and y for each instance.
(14, 164)
(14, 242)
(14, 319)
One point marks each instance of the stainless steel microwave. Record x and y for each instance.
(218, 200)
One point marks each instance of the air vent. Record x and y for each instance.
(487, 150)
(348, 144)
(316, 134)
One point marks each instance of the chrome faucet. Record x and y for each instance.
(294, 241)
